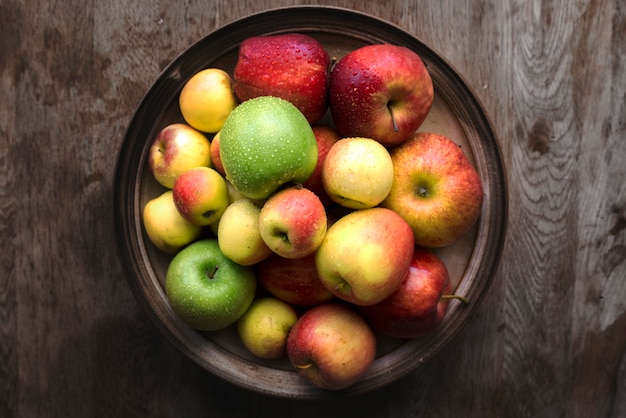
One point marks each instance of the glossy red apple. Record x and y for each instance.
(380, 91)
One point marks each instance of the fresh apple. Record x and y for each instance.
(326, 136)
(357, 173)
(331, 346)
(264, 327)
(365, 255)
(380, 91)
(201, 195)
(206, 289)
(165, 226)
(207, 99)
(291, 66)
(215, 154)
(238, 233)
(436, 189)
(293, 280)
(418, 306)
(266, 143)
(293, 222)
(177, 148)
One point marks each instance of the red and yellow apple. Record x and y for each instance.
(201, 195)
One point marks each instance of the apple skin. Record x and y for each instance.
(177, 148)
(417, 308)
(201, 195)
(380, 91)
(215, 154)
(207, 290)
(290, 66)
(365, 255)
(293, 222)
(326, 136)
(331, 346)
(294, 280)
(436, 189)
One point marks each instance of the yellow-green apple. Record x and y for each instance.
(365, 255)
(206, 289)
(331, 346)
(293, 280)
(201, 195)
(293, 222)
(177, 148)
(207, 99)
(215, 154)
(165, 226)
(265, 143)
(326, 136)
(380, 91)
(264, 327)
(238, 233)
(436, 189)
(357, 172)
(418, 306)
(292, 66)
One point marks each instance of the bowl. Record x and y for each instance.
(456, 113)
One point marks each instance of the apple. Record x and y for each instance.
(325, 136)
(238, 233)
(215, 154)
(206, 289)
(436, 189)
(419, 305)
(291, 66)
(380, 91)
(165, 226)
(293, 222)
(201, 195)
(266, 143)
(293, 280)
(331, 346)
(206, 99)
(177, 148)
(357, 173)
(365, 255)
(264, 327)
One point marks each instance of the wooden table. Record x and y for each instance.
(549, 340)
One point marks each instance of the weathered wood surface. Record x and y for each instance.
(549, 340)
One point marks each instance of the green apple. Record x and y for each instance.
(165, 226)
(201, 195)
(265, 143)
(206, 289)
(365, 255)
(264, 327)
(357, 172)
(238, 233)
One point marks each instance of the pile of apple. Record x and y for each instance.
(311, 237)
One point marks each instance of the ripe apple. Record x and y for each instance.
(206, 99)
(238, 233)
(420, 303)
(331, 346)
(265, 143)
(380, 91)
(293, 280)
(326, 136)
(365, 255)
(165, 226)
(357, 173)
(201, 195)
(215, 154)
(291, 66)
(436, 189)
(206, 289)
(264, 327)
(293, 222)
(177, 148)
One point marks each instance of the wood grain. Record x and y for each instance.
(549, 340)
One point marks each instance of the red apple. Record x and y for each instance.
(436, 189)
(291, 66)
(380, 91)
(331, 346)
(420, 303)
(201, 195)
(326, 136)
(294, 280)
(215, 154)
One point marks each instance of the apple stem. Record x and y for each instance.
(393, 119)
(212, 272)
(304, 366)
(461, 298)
